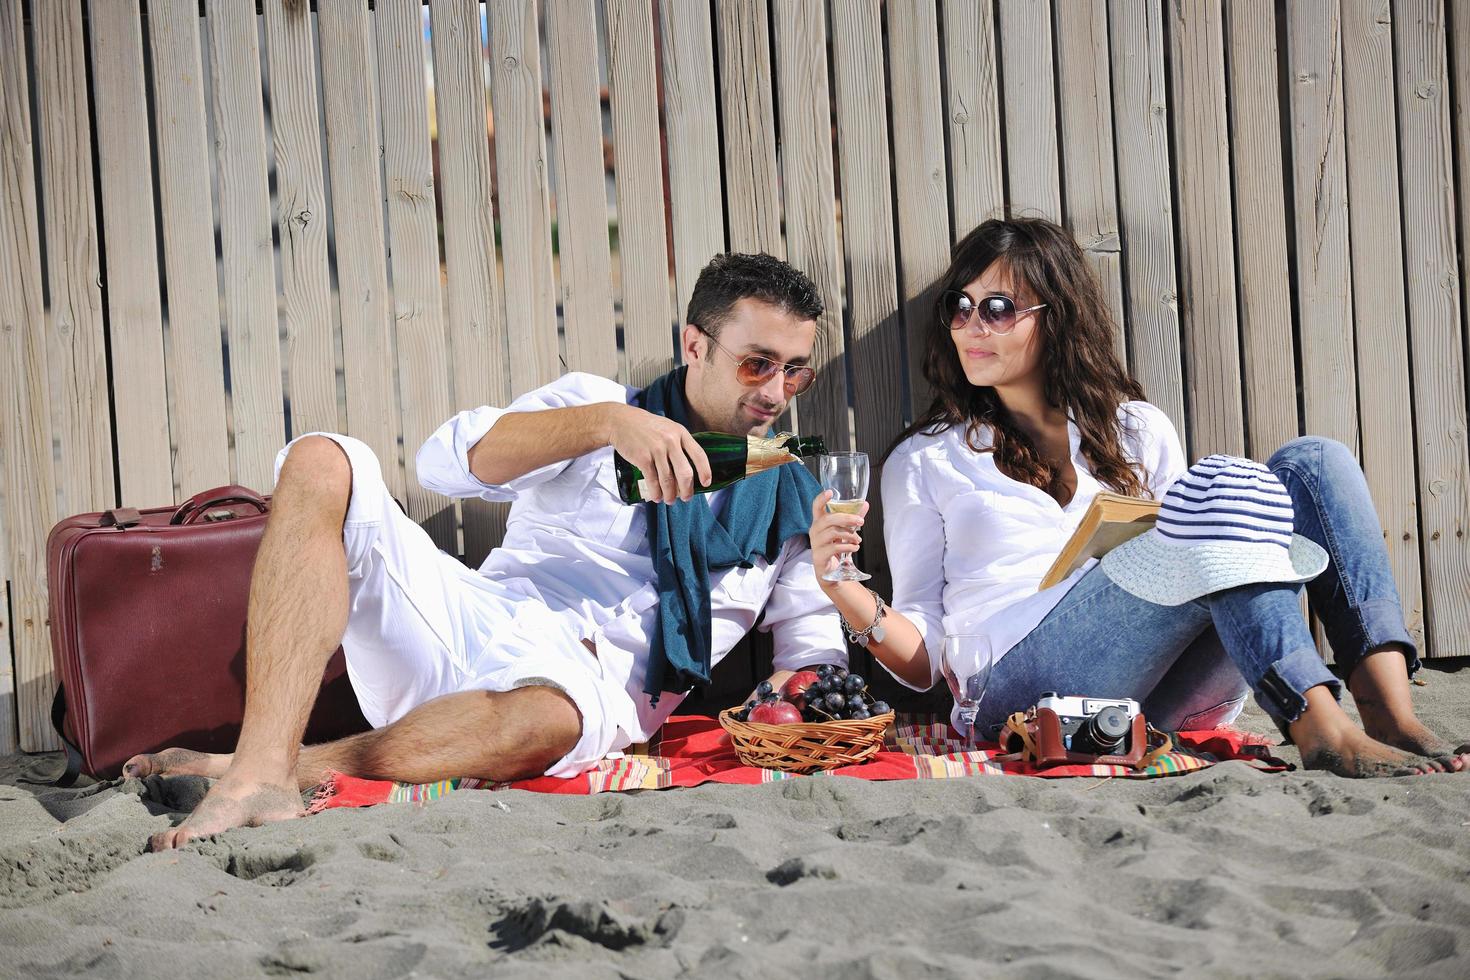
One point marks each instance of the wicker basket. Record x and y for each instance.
(806, 746)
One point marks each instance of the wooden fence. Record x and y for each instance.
(225, 222)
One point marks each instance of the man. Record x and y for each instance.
(577, 637)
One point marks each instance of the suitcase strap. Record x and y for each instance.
(74, 760)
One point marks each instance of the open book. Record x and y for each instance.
(1110, 520)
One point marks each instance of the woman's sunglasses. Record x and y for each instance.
(754, 370)
(998, 314)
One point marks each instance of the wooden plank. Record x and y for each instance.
(1088, 174)
(306, 302)
(413, 250)
(1319, 168)
(25, 395)
(256, 398)
(752, 199)
(479, 368)
(1266, 335)
(196, 361)
(581, 197)
(692, 137)
(1438, 371)
(1378, 292)
(867, 229)
(804, 103)
(1145, 213)
(1206, 229)
(76, 345)
(643, 252)
(921, 178)
(976, 174)
(1033, 171)
(349, 90)
(525, 208)
(134, 303)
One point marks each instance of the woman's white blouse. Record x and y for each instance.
(994, 538)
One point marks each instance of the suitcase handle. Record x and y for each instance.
(196, 506)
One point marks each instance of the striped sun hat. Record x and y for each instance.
(1226, 522)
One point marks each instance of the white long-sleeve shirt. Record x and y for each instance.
(573, 544)
(997, 537)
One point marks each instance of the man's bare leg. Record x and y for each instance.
(492, 736)
(1380, 688)
(297, 615)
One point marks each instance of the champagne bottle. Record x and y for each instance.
(731, 458)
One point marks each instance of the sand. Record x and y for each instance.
(1220, 873)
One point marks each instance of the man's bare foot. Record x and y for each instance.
(176, 762)
(1353, 753)
(244, 803)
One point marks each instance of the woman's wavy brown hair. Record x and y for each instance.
(1083, 374)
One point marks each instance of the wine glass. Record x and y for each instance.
(846, 475)
(965, 662)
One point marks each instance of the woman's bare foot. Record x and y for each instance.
(229, 804)
(1380, 689)
(1329, 740)
(1412, 736)
(176, 762)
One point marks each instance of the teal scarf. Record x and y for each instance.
(761, 512)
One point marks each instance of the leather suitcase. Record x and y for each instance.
(148, 631)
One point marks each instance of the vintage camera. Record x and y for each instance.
(1092, 726)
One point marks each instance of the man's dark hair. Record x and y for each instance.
(735, 276)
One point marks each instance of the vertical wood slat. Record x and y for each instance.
(1207, 234)
(1145, 212)
(1088, 175)
(479, 366)
(25, 395)
(302, 219)
(248, 259)
(1324, 301)
(804, 101)
(196, 362)
(413, 251)
(1378, 289)
(581, 198)
(350, 93)
(9, 732)
(692, 138)
(638, 175)
(76, 347)
(921, 178)
(752, 199)
(525, 207)
(867, 231)
(1438, 369)
(972, 112)
(1033, 170)
(1263, 275)
(134, 303)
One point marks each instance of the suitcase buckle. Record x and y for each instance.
(223, 514)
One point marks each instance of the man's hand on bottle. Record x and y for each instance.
(663, 449)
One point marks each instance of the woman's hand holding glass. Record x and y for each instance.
(833, 535)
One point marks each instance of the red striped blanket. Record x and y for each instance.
(693, 749)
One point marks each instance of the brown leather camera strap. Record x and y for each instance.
(1156, 752)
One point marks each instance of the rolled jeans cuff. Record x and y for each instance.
(1382, 622)
(1282, 690)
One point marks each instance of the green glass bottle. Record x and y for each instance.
(731, 458)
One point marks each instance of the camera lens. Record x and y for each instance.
(1106, 730)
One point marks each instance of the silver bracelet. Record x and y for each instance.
(874, 631)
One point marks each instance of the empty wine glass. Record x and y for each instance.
(846, 475)
(965, 662)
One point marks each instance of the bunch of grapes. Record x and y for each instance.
(828, 693)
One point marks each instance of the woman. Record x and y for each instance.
(1033, 415)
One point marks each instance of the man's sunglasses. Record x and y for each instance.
(998, 314)
(753, 370)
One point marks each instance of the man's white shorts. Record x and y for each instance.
(421, 624)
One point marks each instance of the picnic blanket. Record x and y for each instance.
(693, 749)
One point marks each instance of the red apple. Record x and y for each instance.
(794, 690)
(780, 713)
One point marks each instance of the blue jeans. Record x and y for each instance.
(1191, 665)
